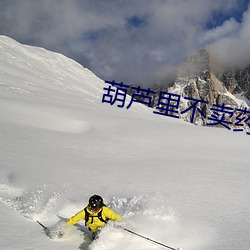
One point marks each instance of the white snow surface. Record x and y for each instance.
(182, 185)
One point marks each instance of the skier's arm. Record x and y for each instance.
(110, 214)
(77, 217)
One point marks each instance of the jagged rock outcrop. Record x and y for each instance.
(195, 79)
(237, 81)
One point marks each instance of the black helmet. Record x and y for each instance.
(95, 202)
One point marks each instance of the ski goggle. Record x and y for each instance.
(94, 208)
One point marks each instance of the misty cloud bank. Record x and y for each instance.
(132, 41)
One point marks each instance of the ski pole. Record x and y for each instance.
(146, 238)
(45, 228)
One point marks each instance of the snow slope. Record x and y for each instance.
(183, 185)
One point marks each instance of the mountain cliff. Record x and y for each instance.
(203, 91)
(237, 81)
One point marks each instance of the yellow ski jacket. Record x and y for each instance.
(94, 223)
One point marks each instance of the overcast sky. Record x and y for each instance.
(134, 41)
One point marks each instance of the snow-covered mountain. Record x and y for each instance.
(196, 79)
(199, 85)
(182, 185)
(237, 81)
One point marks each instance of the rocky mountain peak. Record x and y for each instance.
(196, 79)
(194, 65)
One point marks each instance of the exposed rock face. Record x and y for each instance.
(196, 80)
(237, 81)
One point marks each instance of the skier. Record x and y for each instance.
(95, 214)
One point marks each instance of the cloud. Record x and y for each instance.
(132, 41)
(233, 49)
(228, 28)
